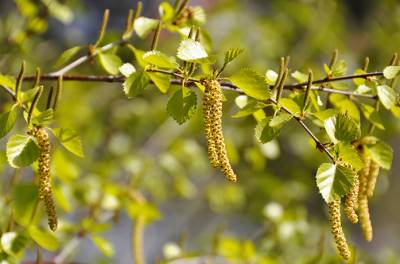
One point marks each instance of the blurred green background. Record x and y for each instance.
(274, 210)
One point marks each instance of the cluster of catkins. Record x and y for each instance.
(356, 203)
(212, 109)
(45, 189)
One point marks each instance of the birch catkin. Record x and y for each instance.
(45, 189)
(212, 107)
(337, 229)
(372, 177)
(351, 201)
(363, 210)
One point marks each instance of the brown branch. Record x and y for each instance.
(191, 81)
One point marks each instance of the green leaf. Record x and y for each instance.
(334, 181)
(342, 128)
(110, 62)
(21, 150)
(359, 81)
(43, 238)
(24, 198)
(70, 139)
(391, 72)
(231, 54)
(291, 105)
(160, 59)
(386, 95)
(103, 245)
(325, 114)
(144, 25)
(7, 81)
(191, 50)
(43, 118)
(28, 95)
(12, 243)
(280, 119)
(271, 77)
(182, 107)
(166, 11)
(348, 154)
(67, 56)
(252, 83)
(138, 55)
(382, 154)
(299, 76)
(264, 132)
(135, 84)
(162, 81)
(372, 115)
(340, 68)
(249, 109)
(7, 121)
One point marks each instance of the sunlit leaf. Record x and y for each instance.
(110, 62)
(249, 109)
(162, 81)
(348, 154)
(103, 245)
(342, 128)
(372, 115)
(21, 150)
(264, 132)
(382, 154)
(43, 118)
(391, 72)
(387, 96)
(127, 69)
(334, 181)
(231, 54)
(67, 56)
(135, 84)
(70, 139)
(191, 50)
(144, 25)
(160, 59)
(252, 83)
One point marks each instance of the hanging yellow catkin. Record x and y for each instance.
(363, 210)
(213, 99)
(351, 201)
(372, 177)
(337, 230)
(45, 189)
(208, 123)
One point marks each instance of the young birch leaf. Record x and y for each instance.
(143, 26)
(348, 154)
(299, 76)
(110, 62)
(340, 68)
(391, 72)
(252, 83)
(160, 59)
(21, 150)
(264, 132)
(43, 238)
(280, 119)
(342, 128)
(103, 245)
(231, 54)
(382, 154)
(182, 107)
(249, 109)
(135, 84)
(271, 77)
(334, 181)
(372, 115)
(67, 56)
(7, 121)
(70, 139)
(291, 105)
(191, 50)
(162, 81)
(7, 81)
(386, 95)
(43, 118)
